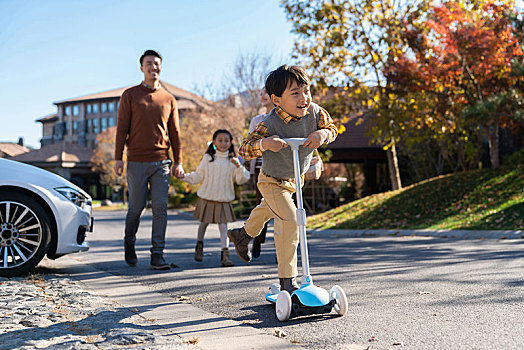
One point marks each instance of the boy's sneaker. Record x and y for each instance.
(241, 240)
(289, 284)
(130, 254)
(158, 262)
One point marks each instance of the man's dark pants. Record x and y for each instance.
(139, 175)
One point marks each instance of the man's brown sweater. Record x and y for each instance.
(147, 124)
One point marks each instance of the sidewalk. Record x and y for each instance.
(104, 311)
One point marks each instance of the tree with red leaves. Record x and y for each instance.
(465, 68)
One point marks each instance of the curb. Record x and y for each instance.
(458, 234)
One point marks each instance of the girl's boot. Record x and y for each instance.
(199, 251)
(225, 258)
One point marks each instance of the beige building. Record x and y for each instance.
(79, 120)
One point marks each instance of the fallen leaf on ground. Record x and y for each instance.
(280, 333)
(255, 321)
(193, 340)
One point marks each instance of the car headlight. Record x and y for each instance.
(73, 195)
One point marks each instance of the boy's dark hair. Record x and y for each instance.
(211, 148)
(278, 80)
(149, 53)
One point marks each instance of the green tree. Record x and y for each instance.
(349, 44)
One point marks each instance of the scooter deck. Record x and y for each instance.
(316, 306)
(307, 295)
(272, 298)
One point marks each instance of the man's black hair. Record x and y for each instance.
(278, 80)
(149, 53)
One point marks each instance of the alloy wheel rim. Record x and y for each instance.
(20, 234)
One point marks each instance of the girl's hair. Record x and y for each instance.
(211, 148)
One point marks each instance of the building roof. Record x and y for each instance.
(184, 98)
(12, 149)
(59, 152)
(356, 134)
(48, 118)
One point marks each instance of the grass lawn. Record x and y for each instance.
(476, 200)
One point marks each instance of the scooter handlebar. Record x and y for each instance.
(295, 142)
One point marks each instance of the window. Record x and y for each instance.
(110, 106)
(103, 107)
(89, 127)
(76, 110)
(104, 123)
(75, 127)
(67, 110)
(111, 121)
(118, 105)
(95, 108)
(95, 126)
(89, 109)
(66, 126)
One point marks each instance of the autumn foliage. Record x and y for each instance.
(440, 77)
(457, 68)
(103, 161)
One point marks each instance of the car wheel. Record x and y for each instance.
(24, 233)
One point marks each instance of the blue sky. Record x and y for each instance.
(53, 50)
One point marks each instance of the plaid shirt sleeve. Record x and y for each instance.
(249, 148)
(326, 122)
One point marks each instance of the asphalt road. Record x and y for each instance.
(403, 292)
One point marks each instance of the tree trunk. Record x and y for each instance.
(394, 172)
(493, 140)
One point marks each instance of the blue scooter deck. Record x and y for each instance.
(308, 295)
(272, 298)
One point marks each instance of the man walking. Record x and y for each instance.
(148, 125)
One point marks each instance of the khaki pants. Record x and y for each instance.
(278, 204)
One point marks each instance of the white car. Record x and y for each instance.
(40, 213)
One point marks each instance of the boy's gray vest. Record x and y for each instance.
(280, 164)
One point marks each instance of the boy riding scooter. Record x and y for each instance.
(295, 116)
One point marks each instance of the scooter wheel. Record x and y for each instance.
(283, 306)
(341, 301)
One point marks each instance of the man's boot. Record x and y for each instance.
(158, 262)
(130, 254)
(289, 284)
(224, 257)
(199, 251)
(241, 240)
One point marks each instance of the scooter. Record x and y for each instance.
(308, 299)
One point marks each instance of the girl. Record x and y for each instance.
(219, 170)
